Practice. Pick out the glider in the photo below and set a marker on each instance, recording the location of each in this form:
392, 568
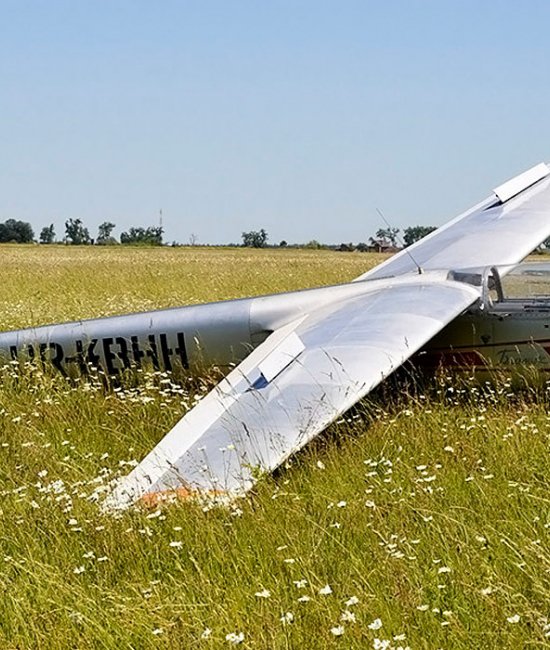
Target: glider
303, 358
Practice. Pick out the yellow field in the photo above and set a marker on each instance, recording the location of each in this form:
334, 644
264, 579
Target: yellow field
418, 521
42, 284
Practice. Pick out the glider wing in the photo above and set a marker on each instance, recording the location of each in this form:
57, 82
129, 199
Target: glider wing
501, 230
292, 386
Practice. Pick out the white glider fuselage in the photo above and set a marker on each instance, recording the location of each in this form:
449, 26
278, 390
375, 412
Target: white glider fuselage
503, 335
193, 338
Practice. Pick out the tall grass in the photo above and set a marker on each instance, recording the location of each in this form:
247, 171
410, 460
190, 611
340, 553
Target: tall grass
417, 521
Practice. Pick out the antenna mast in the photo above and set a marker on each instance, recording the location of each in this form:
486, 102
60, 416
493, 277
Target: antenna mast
405, 248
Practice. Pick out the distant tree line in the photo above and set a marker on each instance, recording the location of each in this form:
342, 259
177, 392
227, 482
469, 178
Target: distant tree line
385, 239
76, 233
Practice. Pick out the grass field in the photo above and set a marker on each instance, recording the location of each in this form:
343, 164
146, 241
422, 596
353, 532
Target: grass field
418, 521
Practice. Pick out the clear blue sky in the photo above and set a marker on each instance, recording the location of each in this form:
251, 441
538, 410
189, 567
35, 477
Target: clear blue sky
301, 117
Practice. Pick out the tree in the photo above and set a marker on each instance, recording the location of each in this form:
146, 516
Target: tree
76, 233
151, 236
19, 232
346, 248
193, 239
389, 234
104, 234
255, 239
414, 233
283, 243
47, 234
313, 245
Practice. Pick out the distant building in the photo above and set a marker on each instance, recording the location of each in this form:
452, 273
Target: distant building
381, 246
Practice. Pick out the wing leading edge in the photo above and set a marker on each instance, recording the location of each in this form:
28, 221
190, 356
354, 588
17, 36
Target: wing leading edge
302, 378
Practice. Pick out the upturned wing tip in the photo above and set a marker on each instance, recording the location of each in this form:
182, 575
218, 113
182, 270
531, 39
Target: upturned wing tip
118, 502
180, 494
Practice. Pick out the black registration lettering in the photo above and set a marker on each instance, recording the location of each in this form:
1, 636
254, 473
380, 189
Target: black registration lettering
152, 351
181, 350
79, 357
137, 352
110, 356
123, 351
57, 356
166, 352
91, 356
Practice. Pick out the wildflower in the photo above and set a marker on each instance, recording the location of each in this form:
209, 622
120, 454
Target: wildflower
320, 464
341, 504
337, 631
444, 569
206, 633
158, 631
79, 569
422, 608
370, 504
103, 558
487, 591
375, 625
351, 601
325, 591
289, 560
381, 644
513, 619
287, 617
347, 616
234, 638
76, 616
265, 593
304, 599
154, 515
175, 544
300, 584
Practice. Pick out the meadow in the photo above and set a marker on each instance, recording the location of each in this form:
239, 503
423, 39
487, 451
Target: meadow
420, 520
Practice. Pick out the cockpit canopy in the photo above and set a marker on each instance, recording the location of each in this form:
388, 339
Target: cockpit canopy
519, 286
